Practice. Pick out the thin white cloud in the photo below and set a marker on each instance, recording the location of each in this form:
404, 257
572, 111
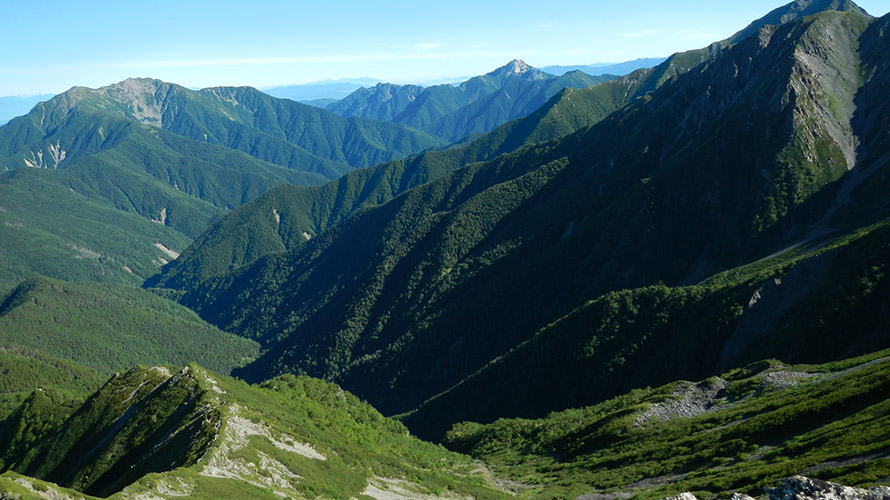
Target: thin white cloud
426, 47
269, 61
640, 34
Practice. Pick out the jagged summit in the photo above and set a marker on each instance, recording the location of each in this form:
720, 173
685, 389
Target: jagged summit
796, 10
518, 67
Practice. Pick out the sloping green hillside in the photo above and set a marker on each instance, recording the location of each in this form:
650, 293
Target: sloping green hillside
290, 215
809, 304
47, 228
25, 370
194, 433
738, 432
404, 300
168, 155
110, 327
280, 221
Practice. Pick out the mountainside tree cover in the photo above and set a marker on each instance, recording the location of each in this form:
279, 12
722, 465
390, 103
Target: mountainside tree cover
737, 433
108, 327
725, 207
289, 215
278, 222
449, 275
165, 154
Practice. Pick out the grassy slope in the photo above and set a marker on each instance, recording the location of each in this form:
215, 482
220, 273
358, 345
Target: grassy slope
46, 228
24, 370
109, 327
205, 152
763, 422
212, 427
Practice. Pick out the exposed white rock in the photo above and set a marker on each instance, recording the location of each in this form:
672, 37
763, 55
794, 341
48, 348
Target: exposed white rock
50, 493
682, 496
741, 496
804, 488
396, 489
85, 253
269, 473
170, 253
690, 400
162, 217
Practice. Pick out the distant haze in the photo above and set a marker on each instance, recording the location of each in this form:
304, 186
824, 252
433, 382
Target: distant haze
276, 43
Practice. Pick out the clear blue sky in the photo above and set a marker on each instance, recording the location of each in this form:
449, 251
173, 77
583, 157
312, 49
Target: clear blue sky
52, 45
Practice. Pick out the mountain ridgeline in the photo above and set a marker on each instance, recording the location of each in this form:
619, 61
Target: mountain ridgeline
150, 150
676, 280
287, 216
476, 106
405, 300
193, 433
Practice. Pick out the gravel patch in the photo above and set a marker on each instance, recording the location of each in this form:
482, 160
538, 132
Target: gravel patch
690, 401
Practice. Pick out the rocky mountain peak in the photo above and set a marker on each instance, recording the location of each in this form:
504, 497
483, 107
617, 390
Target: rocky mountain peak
518, 68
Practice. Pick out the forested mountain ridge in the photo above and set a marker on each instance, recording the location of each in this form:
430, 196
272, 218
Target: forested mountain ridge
277, 131
291, 214
153, 150
647, 195
677, 280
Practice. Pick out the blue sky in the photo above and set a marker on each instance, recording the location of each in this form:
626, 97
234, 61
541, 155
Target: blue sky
52, 45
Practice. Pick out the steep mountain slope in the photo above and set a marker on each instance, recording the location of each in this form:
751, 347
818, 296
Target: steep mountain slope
723, 165
165, 153
109, 327
252, 232
290, 215
477, 105
278, 131
194, 433
25, 369
791, 305
151, 433
48, 228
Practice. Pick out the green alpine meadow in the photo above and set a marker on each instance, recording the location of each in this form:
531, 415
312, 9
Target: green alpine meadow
667, 284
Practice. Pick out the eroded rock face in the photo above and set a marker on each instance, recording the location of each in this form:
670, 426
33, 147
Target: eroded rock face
803, 488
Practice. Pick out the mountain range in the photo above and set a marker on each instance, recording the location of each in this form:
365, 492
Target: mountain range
464, 269
477, 105
144, 151
598, 69
324, 93
670, 281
